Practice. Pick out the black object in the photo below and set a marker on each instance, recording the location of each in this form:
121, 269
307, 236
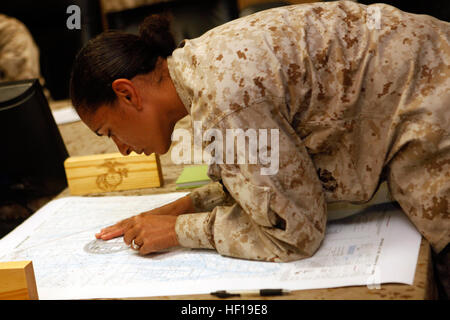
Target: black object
190, 18
262, 6
47, 22
261, 292
437, 8
33, 152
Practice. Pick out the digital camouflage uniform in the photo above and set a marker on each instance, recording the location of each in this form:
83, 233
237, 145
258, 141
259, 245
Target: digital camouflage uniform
19, 55
354, 105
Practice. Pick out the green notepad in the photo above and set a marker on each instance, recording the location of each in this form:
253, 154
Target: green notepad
193, 177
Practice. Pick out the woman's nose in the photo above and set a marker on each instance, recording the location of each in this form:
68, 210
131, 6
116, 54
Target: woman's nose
123, 148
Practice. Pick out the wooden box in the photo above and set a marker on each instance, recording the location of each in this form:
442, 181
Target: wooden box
17, 281
112, 172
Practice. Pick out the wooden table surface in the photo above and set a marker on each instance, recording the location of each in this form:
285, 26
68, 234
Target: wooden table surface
80, 140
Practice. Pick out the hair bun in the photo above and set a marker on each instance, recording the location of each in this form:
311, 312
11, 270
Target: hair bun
155, 32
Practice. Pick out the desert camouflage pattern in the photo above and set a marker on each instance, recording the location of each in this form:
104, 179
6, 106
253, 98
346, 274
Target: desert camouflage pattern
19, 55
209, 196
355, 105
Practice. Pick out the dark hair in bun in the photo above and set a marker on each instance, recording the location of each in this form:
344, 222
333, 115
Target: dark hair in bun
155, 32
115, 54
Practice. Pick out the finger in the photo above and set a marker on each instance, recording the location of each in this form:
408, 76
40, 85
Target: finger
116, 230
129, 235
138, 241
153, 245
113, 234
109, 229
106, 231
99, 234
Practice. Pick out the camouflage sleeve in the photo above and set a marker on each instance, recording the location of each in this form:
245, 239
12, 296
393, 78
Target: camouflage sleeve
419, 166
279, 216
19, 55
209, 196
190, 228
419, 179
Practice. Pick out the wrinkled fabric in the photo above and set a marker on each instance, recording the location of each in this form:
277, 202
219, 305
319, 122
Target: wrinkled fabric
207, 197
19, 55
355, 104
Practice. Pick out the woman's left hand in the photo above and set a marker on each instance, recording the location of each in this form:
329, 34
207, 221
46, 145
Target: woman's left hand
151, 233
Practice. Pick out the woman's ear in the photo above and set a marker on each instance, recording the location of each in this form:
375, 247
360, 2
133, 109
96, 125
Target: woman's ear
126, 93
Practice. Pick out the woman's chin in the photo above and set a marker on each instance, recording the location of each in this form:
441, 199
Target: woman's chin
165, 148
163, 151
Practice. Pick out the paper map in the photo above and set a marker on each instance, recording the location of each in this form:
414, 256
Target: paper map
376, 246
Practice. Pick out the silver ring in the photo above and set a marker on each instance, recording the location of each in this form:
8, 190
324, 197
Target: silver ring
134, 245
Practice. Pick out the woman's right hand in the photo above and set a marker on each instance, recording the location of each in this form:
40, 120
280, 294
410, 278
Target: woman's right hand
175, 208
114, 231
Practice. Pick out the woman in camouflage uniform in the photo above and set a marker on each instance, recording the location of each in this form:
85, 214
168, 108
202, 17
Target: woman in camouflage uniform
19, 55
359, 94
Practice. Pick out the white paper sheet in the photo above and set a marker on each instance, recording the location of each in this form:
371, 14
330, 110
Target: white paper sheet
376, 246
65, 115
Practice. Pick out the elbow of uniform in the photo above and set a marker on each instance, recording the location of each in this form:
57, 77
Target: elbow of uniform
305, 246
313, 245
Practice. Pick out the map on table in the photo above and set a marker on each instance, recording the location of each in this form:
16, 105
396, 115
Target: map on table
376, 246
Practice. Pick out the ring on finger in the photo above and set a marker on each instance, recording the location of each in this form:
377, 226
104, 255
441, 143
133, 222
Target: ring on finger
134, 245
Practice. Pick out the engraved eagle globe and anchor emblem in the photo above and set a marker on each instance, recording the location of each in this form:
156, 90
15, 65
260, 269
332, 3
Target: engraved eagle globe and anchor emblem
110, 180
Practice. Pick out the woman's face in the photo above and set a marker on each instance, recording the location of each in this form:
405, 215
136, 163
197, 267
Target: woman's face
130, 129
143, 116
